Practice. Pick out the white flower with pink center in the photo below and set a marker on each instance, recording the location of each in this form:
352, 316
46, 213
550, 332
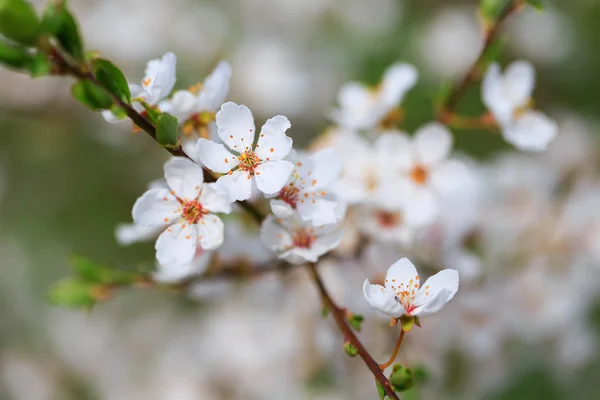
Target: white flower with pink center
403, 294
421, 172
306, 190
186, 209
245, 155
159, 80
296, 241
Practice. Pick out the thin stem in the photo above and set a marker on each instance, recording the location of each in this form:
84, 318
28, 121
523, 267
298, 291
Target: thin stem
473, 74
339, 315
395, 354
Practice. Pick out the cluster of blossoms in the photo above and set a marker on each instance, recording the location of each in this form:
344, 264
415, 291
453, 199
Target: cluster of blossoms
394, 195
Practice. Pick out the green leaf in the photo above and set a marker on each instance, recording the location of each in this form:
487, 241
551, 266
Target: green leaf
112, 79
537, 4
92, 272
350, 349
19, 21
14, 56
356, 321
91, 95
380, 390
40, 65
58, 21
73, 292
166, 130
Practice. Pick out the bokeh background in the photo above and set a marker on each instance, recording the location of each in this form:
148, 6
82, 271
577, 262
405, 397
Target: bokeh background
67, 179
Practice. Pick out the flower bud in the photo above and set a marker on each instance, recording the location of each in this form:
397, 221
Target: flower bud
18, 21
402, 378
350, 349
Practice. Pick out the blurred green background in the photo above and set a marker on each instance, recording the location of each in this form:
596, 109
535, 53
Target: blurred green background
67, 178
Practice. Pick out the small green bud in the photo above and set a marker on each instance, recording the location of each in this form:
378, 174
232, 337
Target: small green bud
18, 21
402, 378
356, 321
166, 130
380, 390
407, 322
350, 349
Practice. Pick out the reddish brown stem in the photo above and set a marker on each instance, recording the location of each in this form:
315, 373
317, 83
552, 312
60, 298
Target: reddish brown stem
395, 353
339, 315
473, 74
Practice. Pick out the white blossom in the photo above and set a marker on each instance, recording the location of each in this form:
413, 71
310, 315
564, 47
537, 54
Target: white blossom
508, 96
195, 108
296, 241
421, 171
402, 294
361, 107
159, 80
178, 272
186, 211
305, 190
242, 158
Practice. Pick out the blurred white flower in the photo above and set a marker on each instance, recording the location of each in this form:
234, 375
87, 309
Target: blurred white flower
296, 241
305, 191
195, 108
186, 211
508, 96
361, 107
159, 80
401, 294
177, 272
421, 172
241, 158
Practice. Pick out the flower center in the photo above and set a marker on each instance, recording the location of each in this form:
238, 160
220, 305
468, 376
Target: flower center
248, 161
198, 123
290, 194
419, 174
388, 219
193, 211
303, 239
405, 293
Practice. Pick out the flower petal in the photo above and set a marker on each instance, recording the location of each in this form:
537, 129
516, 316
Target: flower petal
394, 150
182, 105
155, 207
321, 210
238, 184
273, 144
449, 177
272, 175
274, 236
235, 126
533, 131
432, 143
210, 232
177, 244
420, 206
215, 156
281, 209
383, 300
435, 292
519, 80
401, 272
184, 177
160, 77
215, 87
326, 242
127, 234
326, 167
397, 80
175, 273
215, 198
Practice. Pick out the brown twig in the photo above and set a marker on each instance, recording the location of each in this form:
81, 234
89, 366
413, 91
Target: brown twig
446, 110
339, 315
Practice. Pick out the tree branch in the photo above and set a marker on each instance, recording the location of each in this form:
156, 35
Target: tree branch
82, 72
447, 109
339, 315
